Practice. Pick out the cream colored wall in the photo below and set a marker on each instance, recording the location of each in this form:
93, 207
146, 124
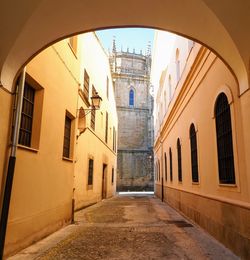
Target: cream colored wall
44, 181
194, 102
43, 184
91, 144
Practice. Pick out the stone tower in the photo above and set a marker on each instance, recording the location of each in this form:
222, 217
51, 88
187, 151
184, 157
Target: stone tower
131, 75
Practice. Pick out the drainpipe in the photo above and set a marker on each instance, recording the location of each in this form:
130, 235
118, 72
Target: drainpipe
11, 164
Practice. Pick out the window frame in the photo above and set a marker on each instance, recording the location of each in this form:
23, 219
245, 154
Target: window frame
90, 176
26, 125
179, 160
170, 164
68, 120
165, 163
224, 177
194, 154
131, 90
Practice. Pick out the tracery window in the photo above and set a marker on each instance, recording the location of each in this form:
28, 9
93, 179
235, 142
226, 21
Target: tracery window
131, 97
224, 140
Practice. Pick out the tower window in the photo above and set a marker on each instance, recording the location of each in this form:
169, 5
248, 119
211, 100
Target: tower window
224, 140
131, 97
194, 159
179, 160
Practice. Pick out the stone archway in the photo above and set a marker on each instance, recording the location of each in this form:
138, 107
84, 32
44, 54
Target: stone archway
30, 26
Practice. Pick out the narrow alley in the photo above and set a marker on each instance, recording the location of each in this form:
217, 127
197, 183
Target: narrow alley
128, 227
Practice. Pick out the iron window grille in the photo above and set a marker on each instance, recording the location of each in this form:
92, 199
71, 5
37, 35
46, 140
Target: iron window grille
179, 160
194, 157
90, 173
86, 85
67, 133
25, 132
224, 140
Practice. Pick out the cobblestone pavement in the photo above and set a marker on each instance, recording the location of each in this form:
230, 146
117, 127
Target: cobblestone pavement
128, 227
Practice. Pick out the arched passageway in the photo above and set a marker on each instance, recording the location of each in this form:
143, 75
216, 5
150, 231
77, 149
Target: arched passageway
29, 26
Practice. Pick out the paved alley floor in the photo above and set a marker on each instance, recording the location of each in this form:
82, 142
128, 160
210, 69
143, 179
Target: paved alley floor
128, 227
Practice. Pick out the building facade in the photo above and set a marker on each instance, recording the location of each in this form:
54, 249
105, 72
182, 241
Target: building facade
201, 142
131, 75
58, 168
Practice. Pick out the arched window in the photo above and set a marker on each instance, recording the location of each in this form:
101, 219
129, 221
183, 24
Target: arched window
177, 61
224, 140
159, 171
194, 158
179, 160
165, 160
131, 97
170, 165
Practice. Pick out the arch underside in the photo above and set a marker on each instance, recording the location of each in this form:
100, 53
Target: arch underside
30, 26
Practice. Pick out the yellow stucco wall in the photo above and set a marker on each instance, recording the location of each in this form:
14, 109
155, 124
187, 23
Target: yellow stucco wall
91, 144
45, 181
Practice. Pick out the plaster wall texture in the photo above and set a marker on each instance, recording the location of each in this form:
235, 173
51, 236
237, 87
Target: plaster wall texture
203, 78
46, 185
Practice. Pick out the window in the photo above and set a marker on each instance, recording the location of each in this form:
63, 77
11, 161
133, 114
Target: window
159, 170
107, 87
112, 177
177, 61
114, 139
170, 165
27, 116
179, 160
67, 133
73, 44
92, 122
90, 173
193, 148
106, 127
86, 85
165, 160
131, 97
224, 140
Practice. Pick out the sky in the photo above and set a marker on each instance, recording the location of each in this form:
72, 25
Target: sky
132, 38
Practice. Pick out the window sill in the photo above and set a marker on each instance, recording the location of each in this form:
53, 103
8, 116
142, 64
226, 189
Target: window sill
90, 187
227, 185
195, 183
28, 148
67, 159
